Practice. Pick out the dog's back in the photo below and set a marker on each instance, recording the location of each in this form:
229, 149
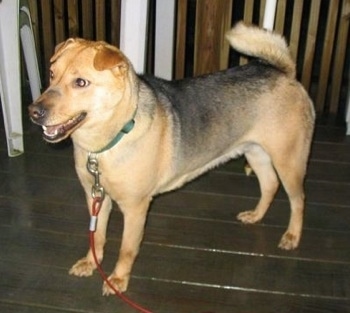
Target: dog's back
203, 108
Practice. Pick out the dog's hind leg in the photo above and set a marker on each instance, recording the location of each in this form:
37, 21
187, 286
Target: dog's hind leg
135, 214
261, 164
291, 172
86, 265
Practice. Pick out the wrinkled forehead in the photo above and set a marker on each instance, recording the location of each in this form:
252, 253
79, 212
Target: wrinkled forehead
81, 55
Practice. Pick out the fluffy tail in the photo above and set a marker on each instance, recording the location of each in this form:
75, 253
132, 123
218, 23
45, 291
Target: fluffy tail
262, 44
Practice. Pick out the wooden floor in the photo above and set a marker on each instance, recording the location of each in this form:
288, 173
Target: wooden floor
195, 257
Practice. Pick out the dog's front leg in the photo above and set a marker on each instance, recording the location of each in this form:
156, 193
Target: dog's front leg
86, 265
134, 222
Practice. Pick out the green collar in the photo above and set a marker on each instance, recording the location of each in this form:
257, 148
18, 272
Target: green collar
126, 129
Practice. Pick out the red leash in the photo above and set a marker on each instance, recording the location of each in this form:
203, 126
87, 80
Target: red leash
98, 193
96, 206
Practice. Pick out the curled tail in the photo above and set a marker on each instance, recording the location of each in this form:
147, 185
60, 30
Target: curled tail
262, 44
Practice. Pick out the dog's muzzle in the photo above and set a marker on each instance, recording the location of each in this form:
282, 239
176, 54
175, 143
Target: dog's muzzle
55, 132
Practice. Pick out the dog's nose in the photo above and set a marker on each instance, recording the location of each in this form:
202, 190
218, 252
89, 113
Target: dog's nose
36, 111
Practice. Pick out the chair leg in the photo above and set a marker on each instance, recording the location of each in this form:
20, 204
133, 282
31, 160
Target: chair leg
10, 82
29, 51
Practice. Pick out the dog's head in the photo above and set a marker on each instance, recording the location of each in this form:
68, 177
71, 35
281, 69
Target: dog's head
87, 80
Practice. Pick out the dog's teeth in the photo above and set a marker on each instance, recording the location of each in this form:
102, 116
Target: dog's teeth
50, 132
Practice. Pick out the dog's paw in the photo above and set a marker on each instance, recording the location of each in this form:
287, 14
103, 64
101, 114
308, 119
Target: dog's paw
84, 267
289, 241
248, 217
119, 284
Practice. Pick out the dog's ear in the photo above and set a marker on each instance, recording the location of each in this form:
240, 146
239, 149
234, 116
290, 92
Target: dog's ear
108, 57
62, 46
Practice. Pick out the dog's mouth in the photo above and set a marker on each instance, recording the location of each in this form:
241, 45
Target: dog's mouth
54, 133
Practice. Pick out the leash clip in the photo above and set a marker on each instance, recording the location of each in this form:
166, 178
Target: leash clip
97, 191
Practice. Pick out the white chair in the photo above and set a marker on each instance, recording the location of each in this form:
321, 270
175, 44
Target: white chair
15, 23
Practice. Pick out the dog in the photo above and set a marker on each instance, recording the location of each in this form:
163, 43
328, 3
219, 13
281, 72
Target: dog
177, 130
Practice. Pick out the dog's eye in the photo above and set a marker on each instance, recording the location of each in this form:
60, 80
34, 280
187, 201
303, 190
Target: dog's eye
79, 82
51, 74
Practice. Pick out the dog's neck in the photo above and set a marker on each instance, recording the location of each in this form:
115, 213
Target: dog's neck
98, 138
125, 130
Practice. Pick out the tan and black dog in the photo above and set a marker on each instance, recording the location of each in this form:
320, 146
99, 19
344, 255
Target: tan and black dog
180, 130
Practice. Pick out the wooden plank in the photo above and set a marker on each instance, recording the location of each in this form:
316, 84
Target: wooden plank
47, 36
316, 192
59, 10
100, 19
183, 205
181, 23
247, 18
187, 205
336, 152
248, 11
323, 170
223, 269
161, 296
327, 172
171, 212
214, 182
56, 294
310, 43
262, 12
115, 25
76, 196
330, 134
213, 19
295, 31
73, 18
280, 16
339, 56
327, 50
33, 8
219, 183
87, 19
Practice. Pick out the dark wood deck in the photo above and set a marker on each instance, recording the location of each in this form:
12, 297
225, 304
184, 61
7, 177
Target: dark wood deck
195, 257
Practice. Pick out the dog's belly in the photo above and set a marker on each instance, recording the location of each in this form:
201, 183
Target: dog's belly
191, 169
